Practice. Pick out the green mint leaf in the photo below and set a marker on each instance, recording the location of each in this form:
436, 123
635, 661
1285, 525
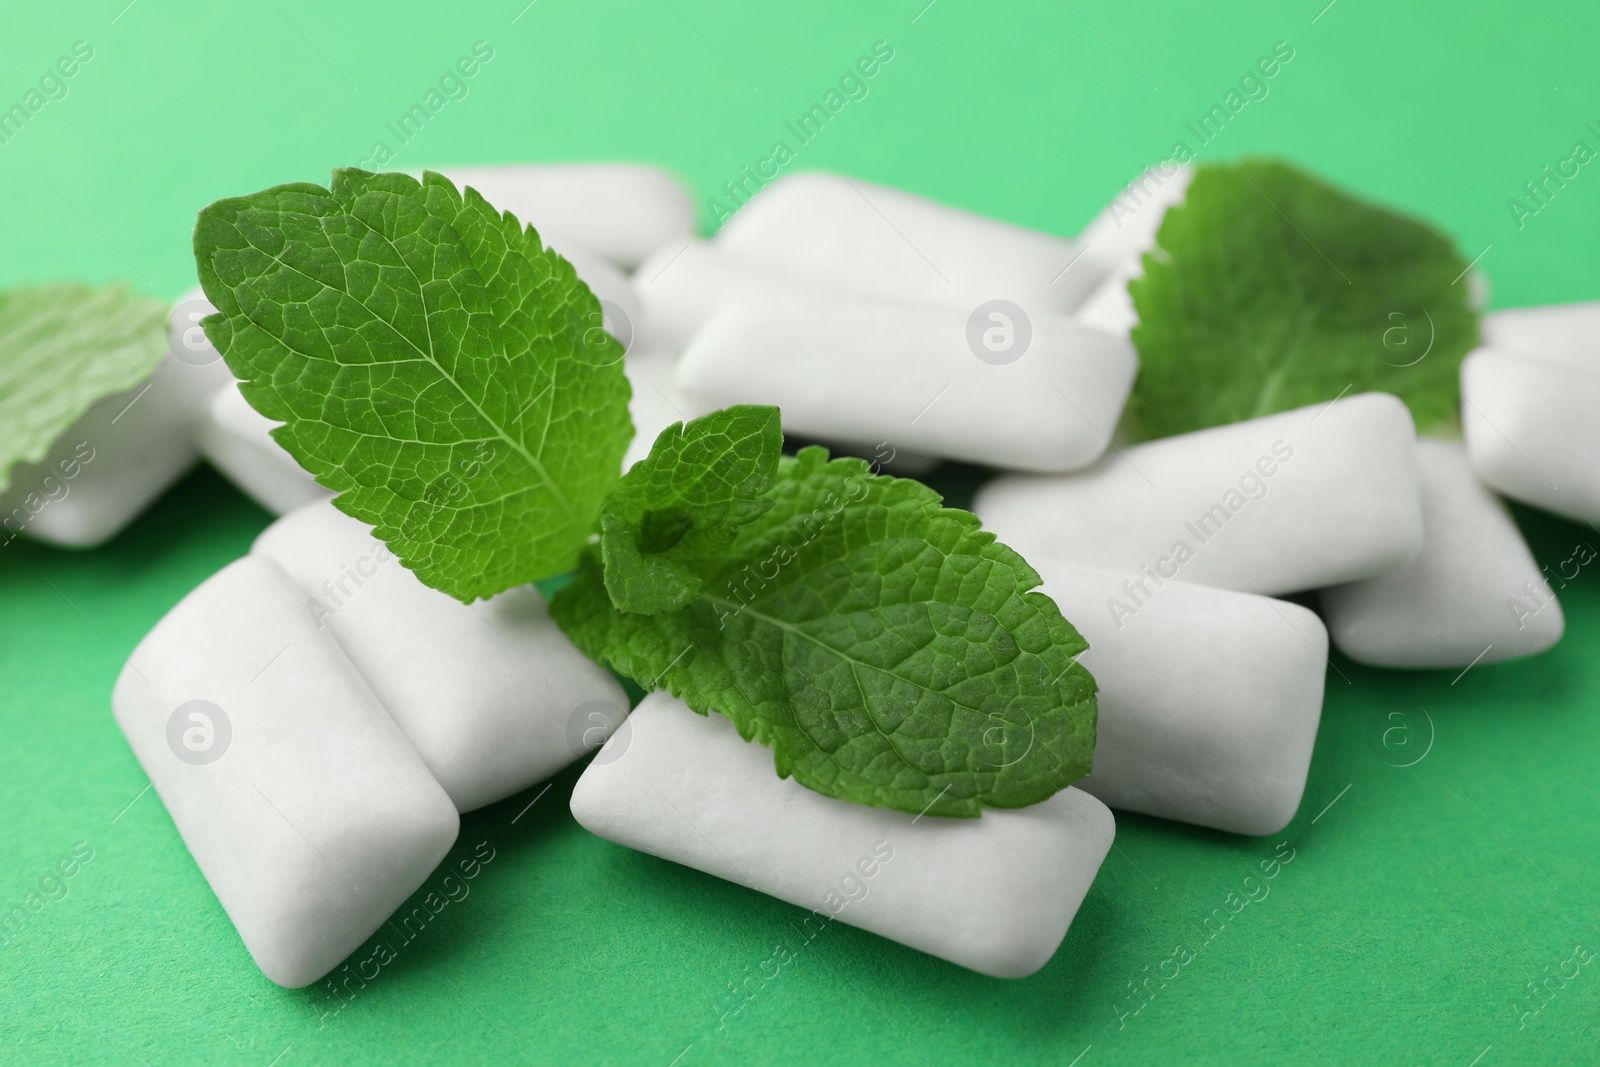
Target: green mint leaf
62, 347
1270, 290
681, 506
433, 364
888, 650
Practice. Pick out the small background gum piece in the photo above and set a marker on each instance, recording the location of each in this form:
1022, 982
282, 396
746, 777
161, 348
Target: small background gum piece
1452, 605
492, 694
1209, 699
305, 807
138, 442
1531, 431
1116, 240
681, 284
1293, 501
1110, 307
621, 211
1125, 229
237, 440
655, 402
625, 318
994, 894
872, 240
1561, 333
908, 374
1477, 289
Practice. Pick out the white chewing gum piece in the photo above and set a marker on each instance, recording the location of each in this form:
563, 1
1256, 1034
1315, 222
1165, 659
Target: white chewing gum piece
492, 694
1298, 500
1208, 699
1568, 334
994, 894
125, 450
910, 375
303, 804
621, 314
874, 241
1126, 228
1531, 430
1473, 595
655, 402
621, 211
237, 440
1110, 307
681, 284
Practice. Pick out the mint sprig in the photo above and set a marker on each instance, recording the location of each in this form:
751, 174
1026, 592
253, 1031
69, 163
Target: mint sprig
432, 364
446, 376
888, 650
62, 347
1270, 290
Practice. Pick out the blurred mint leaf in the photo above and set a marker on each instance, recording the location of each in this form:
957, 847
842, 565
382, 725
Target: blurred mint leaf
888, 650
64, 346
1270, 290
681, 506
433, 364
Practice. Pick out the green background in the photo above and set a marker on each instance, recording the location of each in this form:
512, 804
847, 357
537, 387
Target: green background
1418, 908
